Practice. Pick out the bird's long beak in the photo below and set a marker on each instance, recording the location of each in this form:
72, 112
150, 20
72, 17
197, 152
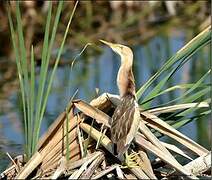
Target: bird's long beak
108, 43
113, 46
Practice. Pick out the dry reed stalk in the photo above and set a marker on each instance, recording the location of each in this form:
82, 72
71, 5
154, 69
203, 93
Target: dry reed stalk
80, 141
55, 165
75, 157
102, 102
55, 127
49, 171
57, 142
77, 173
57, 149
94, 165
152, 138
8, 172
144, 162
161, 126
119, 172
78, 163
150, 147
58, 136
92, 112
106, 142
106, 171
198, 165
49, 140
30, 166
140, 174
61, 169
106, 100
54, 161
17, 168
176, 150
167, 109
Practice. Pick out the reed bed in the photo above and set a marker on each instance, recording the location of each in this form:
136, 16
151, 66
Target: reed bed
77, 145
50, 159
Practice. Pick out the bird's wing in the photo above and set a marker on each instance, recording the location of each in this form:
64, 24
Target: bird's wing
134, 126
122, 125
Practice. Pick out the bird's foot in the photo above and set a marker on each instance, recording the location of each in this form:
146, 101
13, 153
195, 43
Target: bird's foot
130, 160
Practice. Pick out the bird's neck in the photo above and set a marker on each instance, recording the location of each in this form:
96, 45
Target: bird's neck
125, 78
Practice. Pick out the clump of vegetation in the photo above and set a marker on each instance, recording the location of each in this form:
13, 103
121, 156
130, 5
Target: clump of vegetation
78, 145
34, 102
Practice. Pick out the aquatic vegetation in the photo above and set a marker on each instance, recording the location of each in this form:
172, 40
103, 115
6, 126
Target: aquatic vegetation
78, 145
34, 100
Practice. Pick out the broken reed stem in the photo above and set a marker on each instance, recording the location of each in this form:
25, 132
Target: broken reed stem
57, 149
106, 171
78, 163
94, 165
78, 172
74, 151
14, 163
198, 165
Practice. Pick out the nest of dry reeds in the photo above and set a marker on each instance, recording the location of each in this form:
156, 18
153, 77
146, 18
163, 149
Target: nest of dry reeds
89, 153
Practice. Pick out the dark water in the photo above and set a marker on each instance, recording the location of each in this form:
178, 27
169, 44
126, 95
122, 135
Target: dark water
100, 72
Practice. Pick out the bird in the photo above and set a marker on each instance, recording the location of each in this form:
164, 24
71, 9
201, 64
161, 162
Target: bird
126, 117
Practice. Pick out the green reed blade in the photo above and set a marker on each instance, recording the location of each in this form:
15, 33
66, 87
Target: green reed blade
196, 95
42, 78
190, 48
188, 99
183, 122
56, 62
173, 88
161, 84
17, 58
195, 86
44, 95
32, 99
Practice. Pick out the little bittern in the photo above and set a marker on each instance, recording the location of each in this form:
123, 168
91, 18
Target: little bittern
126, 117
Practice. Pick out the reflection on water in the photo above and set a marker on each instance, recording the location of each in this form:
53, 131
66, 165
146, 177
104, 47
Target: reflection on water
100, 72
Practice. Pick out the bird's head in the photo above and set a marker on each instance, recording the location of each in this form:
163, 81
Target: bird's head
119, 49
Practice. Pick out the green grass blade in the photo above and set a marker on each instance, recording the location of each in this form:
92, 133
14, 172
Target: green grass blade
161, 84
191, 98
196, 95
58, 58
44, 74
32, 100
22, 47
55, 65
24, 67
17, 58
42, 78
195, 86
183, 122
190, 48
173, 88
